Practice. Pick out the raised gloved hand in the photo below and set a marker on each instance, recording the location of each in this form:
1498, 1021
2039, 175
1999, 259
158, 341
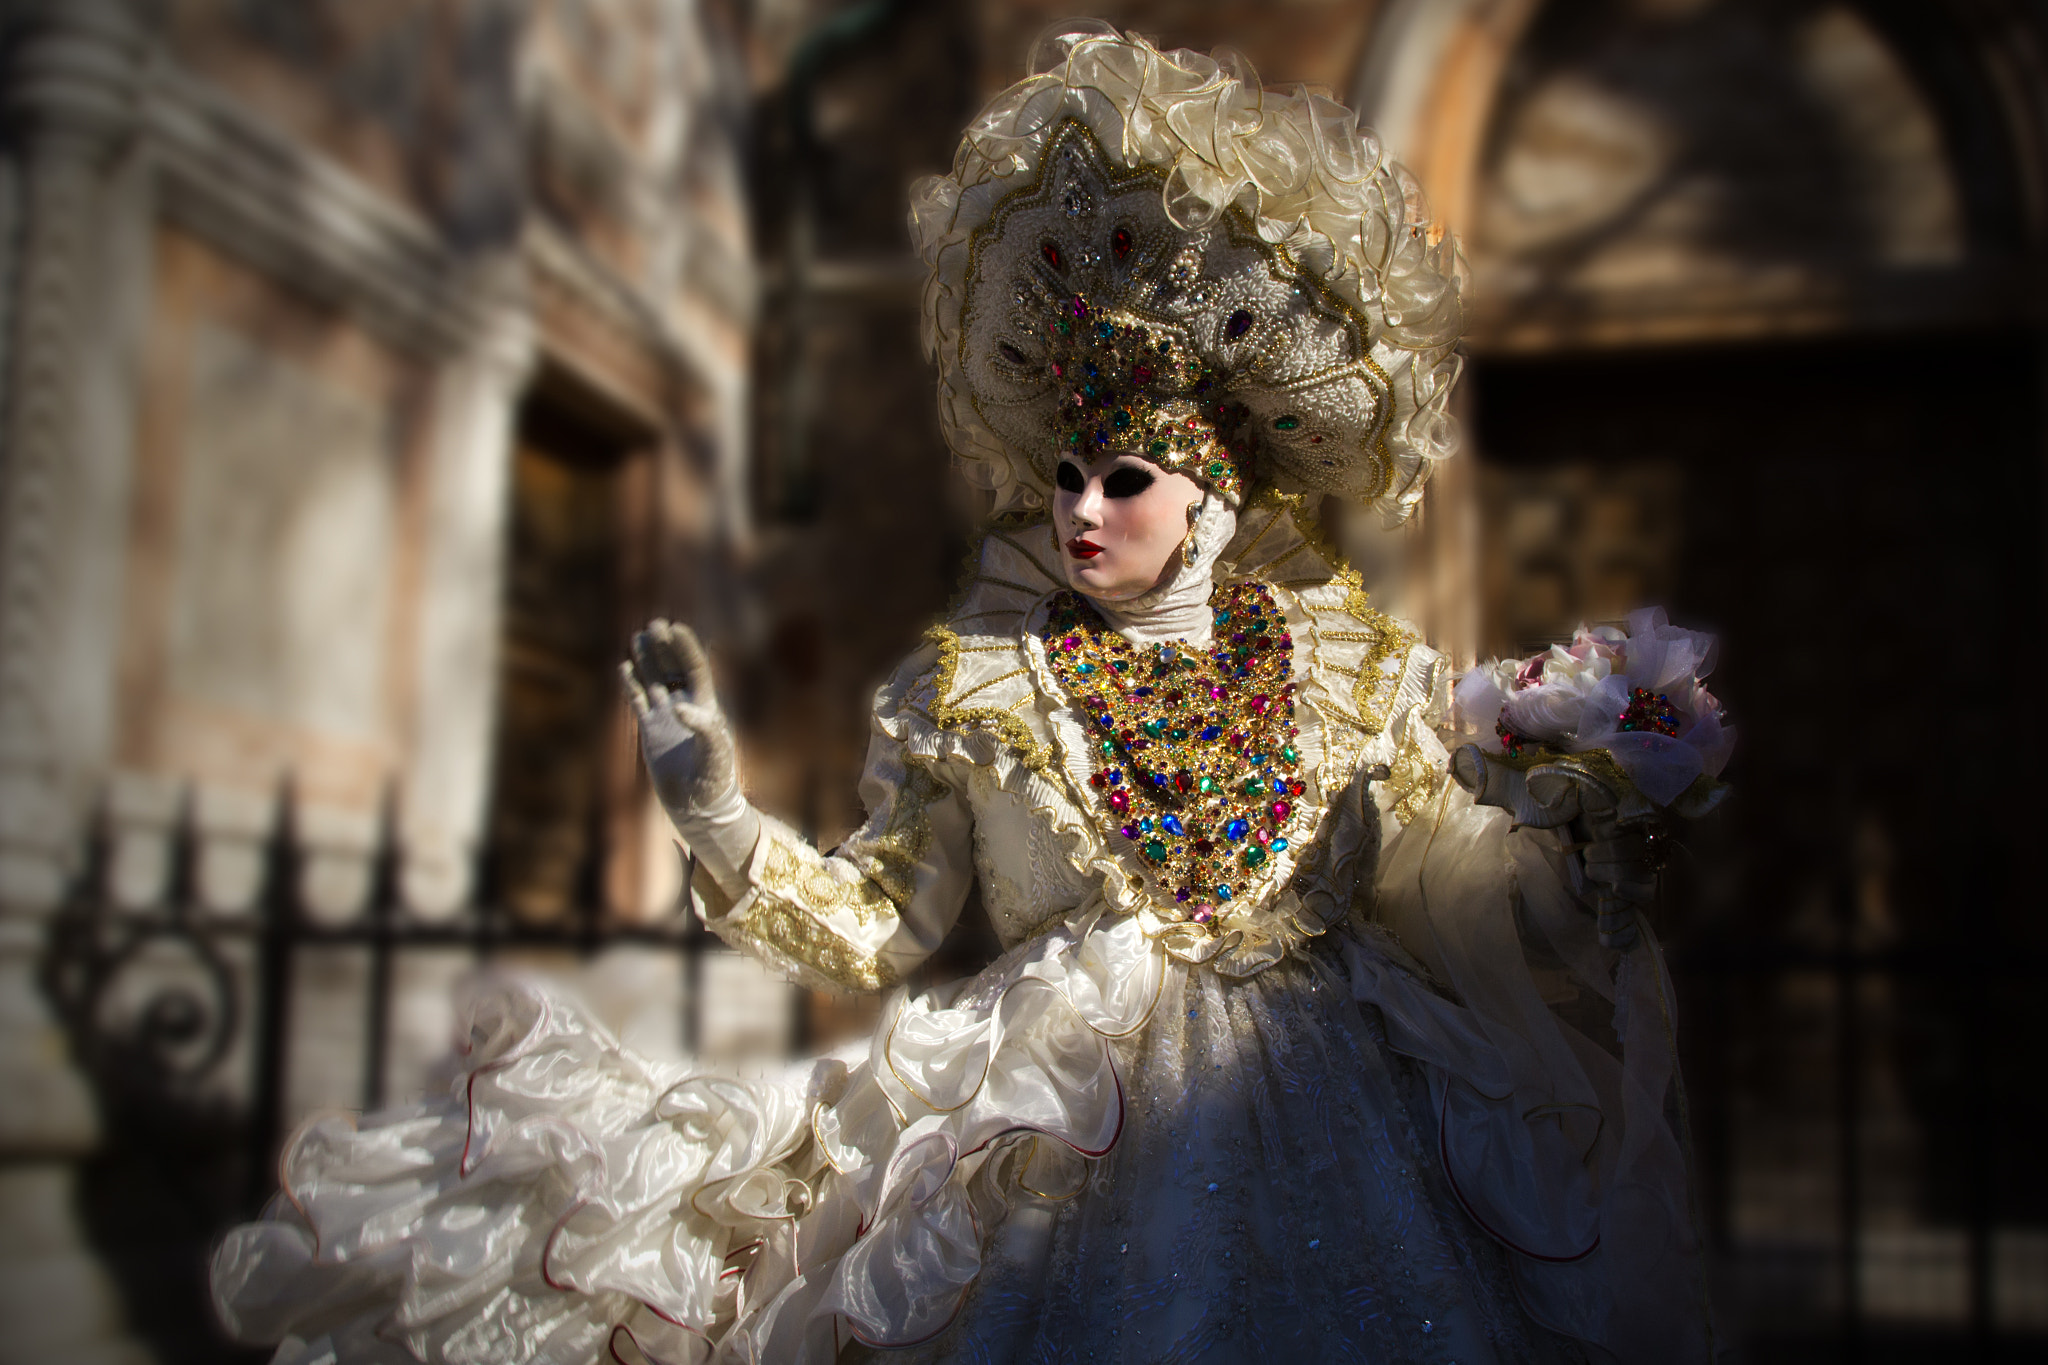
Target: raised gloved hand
1616, 830
689, 749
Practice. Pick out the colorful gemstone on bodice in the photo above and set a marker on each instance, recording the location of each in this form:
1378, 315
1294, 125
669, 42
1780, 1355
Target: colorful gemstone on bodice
1193, 746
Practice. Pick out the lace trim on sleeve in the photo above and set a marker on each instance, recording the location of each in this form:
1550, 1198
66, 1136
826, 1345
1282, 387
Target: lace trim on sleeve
833, 922
891, 857
815, 919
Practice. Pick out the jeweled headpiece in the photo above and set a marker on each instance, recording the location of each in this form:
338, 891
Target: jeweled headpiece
1123, 198
1137, 385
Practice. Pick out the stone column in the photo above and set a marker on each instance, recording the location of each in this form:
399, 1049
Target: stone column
69, 91
442, 798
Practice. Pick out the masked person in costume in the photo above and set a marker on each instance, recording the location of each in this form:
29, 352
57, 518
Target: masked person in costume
1295, 1046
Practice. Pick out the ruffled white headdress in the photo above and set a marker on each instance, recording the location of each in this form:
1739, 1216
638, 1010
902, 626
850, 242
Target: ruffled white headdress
1123, 207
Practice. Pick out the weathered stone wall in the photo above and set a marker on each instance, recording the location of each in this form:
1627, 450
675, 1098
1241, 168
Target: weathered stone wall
284, 285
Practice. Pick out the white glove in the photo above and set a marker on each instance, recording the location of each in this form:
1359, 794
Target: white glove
689, 750
1619, 835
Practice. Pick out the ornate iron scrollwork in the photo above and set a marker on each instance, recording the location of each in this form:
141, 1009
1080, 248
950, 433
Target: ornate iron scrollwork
149, 995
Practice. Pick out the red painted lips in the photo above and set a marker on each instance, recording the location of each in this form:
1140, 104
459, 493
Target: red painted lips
1083, 549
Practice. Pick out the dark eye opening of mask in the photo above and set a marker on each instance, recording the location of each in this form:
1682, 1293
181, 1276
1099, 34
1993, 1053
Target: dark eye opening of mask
1068, 477
1126, 481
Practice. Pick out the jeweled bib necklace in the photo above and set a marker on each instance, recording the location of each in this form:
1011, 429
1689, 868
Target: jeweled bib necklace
1194, 749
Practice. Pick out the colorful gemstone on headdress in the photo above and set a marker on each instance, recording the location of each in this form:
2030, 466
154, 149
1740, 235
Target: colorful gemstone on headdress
1164, 416
1240, 323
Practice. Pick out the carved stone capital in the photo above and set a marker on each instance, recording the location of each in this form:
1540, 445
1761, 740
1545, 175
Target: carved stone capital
73, 74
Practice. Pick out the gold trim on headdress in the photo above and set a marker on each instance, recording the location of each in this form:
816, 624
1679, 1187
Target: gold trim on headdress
1139, 387
1073, 301
1261, 225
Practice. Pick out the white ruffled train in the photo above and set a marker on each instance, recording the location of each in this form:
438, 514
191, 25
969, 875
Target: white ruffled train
1090, 1141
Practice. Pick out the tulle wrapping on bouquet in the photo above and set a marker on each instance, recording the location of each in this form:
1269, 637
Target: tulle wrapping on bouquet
1557, 1145
1573, 697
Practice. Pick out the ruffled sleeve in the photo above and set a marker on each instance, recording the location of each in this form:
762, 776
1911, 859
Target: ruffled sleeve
861, 917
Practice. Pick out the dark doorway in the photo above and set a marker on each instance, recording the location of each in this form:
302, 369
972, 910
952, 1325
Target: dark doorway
1861, 523
576, 523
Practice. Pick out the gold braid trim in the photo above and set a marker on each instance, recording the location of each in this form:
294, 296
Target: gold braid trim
1389, 640
794, 894
811, 883
818, 952
1601, 764
891, 858
949, 716
1412, 777
1385, 638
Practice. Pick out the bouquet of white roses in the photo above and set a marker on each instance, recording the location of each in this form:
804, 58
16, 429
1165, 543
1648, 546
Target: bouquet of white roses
1612, 733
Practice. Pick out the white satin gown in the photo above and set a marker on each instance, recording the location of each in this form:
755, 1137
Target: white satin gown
1406, 1110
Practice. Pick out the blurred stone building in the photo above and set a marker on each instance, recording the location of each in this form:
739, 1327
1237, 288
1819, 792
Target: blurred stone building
372, 366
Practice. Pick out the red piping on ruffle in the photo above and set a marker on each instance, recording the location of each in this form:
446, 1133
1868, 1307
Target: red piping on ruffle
512, 1054
611, 1343
1443, 1152
464, 1169
951, 1317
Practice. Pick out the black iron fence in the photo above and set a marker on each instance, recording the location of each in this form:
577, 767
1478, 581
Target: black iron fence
183, 1018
